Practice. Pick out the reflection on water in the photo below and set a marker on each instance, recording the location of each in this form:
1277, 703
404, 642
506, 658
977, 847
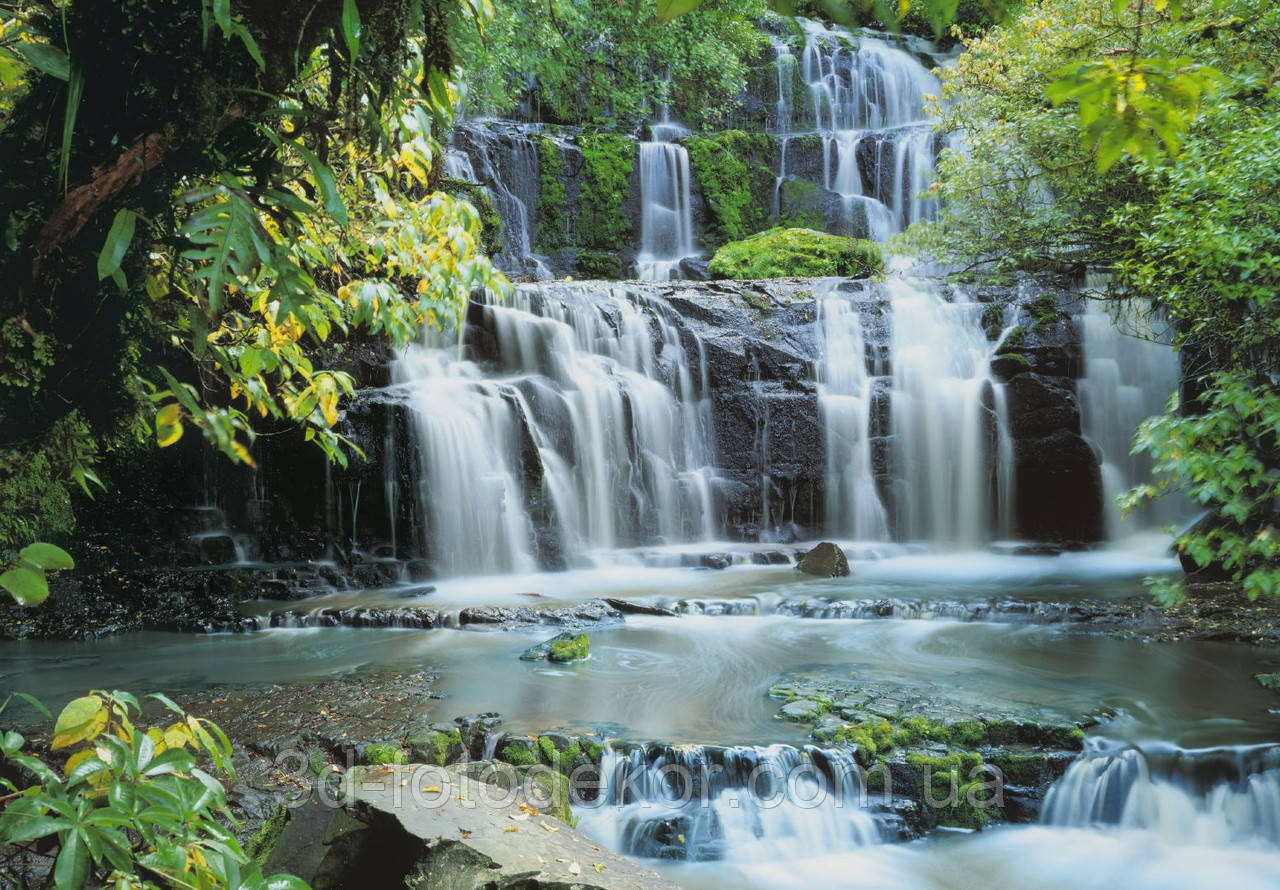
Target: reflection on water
703, 679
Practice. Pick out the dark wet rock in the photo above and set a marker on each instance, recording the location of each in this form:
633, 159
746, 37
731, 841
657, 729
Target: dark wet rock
825, 561
802, 710
770, 558
592, 612
627, 607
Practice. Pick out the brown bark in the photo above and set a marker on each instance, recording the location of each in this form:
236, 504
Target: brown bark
107, 181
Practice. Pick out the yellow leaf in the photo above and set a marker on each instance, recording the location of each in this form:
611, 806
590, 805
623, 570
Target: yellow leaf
512, 828
169, 424
76, 759
327, 399
177, 736
82, 718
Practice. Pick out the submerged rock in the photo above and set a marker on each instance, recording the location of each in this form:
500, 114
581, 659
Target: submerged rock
826, 561
563, 648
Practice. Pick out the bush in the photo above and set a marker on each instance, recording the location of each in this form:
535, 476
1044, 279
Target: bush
130, 807
794, 253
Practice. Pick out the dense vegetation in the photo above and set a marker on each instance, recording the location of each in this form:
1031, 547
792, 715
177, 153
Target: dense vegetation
1141, 138
805, 253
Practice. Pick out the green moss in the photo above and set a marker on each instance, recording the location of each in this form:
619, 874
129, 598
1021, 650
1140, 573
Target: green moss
1011, 364
993, 321
1019, 769
1045, 309
558, 791
598, 265
490, 219
570, 650
733, 171
1002, 732
758, 302
264, 840
800, 204
785, 253
1069, 737
1014, 341
36, 506
553, 227
966, 734
517, 754
593, 750
436, 747
382, 753
957, 780
607, 162
558, 759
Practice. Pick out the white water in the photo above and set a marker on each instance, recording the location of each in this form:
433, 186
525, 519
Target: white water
853, 506
744, 804
1130, 372
867, 99
950, 445
666, 214
588, 426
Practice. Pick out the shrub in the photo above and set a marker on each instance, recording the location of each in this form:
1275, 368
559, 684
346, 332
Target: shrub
787, 253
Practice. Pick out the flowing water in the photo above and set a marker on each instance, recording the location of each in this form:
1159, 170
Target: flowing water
586, 429
866, 98
666, 205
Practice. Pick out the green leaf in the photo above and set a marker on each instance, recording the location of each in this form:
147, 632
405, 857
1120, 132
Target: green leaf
72, 868
28, 586
47, 557
75, 89
222, 15
36, 828
82, 718
672, 9
118, 240
351, 27
48, 59
327, 184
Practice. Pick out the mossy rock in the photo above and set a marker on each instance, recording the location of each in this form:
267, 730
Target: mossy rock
826, 560
607, 162
1008, 365
439, 748
553, 221
1019, 769
1268, 681
734, 171
1014, 341
517, 751
383, 753
563, 648
264, 840
797, 253
992, 321
599, 265
490, 219
1045, 310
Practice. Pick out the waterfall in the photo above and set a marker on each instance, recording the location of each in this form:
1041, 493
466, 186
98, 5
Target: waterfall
505, 162
867, 100
666, 214
582, 428
1130, 372
943, 416
744, 804
844, 393
1210, 796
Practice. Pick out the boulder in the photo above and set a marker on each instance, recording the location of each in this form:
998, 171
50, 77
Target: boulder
432, 827
826, 561
563, 648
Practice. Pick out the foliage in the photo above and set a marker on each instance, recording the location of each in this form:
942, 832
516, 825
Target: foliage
607, 162
600, 265
786, 253
131, 806
490, 219
734, 172
1226, 457
382, 753
35, 505
199, 196
27, 580
553, 220
611, 65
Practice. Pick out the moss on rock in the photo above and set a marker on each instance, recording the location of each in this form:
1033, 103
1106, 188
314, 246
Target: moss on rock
733, 171
382, 753
517, 753
553, 228
599, 265
607, 162
264, 840
567, 651
438, 748
490, 219
790, 253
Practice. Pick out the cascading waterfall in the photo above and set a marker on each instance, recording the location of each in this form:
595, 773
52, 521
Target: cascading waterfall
745, 804
845, 385
1210, 797
585, 431
666, 205
949, 442
868, 102
1130, 372
506, 165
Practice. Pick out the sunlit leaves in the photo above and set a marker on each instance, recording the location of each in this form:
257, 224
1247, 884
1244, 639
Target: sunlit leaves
47, 59
1131, 106
351, 26
671, 9
169, 424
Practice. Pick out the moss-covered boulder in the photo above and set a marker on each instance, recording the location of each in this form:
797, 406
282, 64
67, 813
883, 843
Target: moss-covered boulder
797, 253
563, 648
826, 561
